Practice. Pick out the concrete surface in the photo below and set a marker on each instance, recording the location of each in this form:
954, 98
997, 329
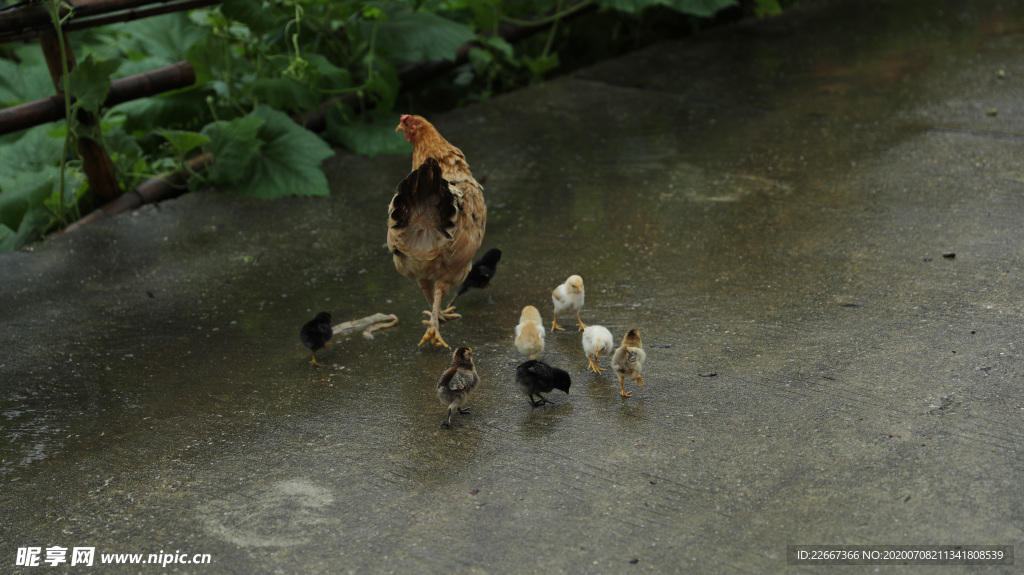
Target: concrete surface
770, 202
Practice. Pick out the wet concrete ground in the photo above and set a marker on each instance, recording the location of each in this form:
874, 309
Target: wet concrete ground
771, 203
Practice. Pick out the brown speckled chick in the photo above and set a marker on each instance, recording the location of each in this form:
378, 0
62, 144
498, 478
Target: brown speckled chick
628, 360
457, 382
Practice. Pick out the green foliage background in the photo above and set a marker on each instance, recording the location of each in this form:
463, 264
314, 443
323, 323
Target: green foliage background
256, 62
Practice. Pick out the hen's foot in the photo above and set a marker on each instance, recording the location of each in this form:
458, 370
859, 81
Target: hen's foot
434, 337
443, 315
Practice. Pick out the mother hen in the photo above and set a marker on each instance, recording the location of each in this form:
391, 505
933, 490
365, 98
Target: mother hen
436, 220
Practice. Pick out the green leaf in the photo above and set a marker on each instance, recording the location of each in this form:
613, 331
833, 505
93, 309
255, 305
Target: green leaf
184, 141
233, 144
328, 76
288, 163
541, 64
410, 36
165, 38
370, 136
251, 13
25, 80
32, 227
17, 200
764, 8
480, 59
701, 8
34, 151
90, 81
122, 147
185, 108
285, 93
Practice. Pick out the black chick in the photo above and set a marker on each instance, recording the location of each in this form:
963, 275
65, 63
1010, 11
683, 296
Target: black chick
481, 273
316, 333
457, 382
536, 377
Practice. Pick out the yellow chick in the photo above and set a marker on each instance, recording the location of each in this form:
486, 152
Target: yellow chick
530, 332
629, 360
568, 297
597, 338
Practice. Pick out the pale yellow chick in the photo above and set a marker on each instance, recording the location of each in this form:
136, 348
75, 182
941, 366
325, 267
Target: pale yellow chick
597, 338
628, 361
568, 297
530, 332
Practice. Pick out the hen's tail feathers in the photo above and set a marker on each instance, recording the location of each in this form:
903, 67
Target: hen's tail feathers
423, 207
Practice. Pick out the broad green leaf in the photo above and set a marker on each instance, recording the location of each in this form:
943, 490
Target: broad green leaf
252, 13
90, 81
35, 151
23, 82
410, 36
285, 94
480, 59
288, 163
183, 109
17, 200
541, 64
122, 147
233, 144
501, 46
184, 141
764, 8
165, 38
32, 227
702, 8
375, 135
329, 76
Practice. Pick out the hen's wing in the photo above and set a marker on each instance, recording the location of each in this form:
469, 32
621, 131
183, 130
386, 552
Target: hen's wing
423, 215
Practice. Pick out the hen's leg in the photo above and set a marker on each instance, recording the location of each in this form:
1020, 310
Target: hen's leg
433, 334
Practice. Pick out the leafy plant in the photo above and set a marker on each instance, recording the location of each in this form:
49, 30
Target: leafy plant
255, 62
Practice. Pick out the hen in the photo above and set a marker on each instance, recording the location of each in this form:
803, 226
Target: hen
436, 220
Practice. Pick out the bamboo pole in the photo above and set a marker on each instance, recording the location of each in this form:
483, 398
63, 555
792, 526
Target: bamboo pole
100, 20
50, 109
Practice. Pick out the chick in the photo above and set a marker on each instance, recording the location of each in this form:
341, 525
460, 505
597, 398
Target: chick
597, 338
629, 360
536, 377
480, 274
568, 297
316, 333
457, 382
530, 332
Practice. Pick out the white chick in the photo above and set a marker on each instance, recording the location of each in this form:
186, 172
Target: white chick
568, 297
629, 360
530, 332
597, 338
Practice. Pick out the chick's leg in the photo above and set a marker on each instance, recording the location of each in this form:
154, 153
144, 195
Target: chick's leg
622, 389
639, 381
582, 325
447, 422
554, 324
314, 362
597, 367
